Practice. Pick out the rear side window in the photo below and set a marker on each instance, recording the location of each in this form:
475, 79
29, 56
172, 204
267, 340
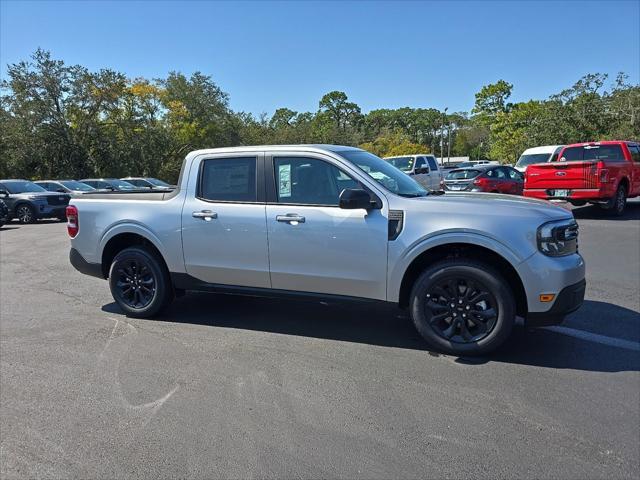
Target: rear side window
635, 152
228, 180
573, 154
432, 163
603, 152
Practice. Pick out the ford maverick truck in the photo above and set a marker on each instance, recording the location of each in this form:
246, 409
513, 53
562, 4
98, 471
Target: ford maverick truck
332, 222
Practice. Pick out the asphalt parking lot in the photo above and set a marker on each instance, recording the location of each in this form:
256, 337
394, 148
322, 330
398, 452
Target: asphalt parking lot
235, 387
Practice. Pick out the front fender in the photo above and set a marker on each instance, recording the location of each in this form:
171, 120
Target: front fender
400, 263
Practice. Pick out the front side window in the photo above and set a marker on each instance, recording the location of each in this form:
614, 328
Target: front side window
384, 174
228, 180
309, 181
513, 174
79, 186
420, 162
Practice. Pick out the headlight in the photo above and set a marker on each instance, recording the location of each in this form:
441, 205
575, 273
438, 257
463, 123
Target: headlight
558, 238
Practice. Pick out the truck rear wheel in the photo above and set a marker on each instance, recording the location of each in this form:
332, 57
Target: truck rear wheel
462, 307
139, 282
617, 204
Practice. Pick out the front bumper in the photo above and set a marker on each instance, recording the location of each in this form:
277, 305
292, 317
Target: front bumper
569, 300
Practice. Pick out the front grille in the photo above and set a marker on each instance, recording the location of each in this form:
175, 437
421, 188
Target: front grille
58, 199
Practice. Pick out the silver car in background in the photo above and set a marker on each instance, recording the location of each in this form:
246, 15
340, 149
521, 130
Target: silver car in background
423, 168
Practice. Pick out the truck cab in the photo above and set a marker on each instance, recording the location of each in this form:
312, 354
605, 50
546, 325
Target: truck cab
339, 224
423, 168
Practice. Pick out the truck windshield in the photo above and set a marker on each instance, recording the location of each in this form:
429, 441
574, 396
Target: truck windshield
403, 163
532, 158
78, 186
157, 183
385, 174
122, 185
19, 186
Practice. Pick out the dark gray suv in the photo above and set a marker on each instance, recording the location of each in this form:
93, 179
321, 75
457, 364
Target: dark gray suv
29, 202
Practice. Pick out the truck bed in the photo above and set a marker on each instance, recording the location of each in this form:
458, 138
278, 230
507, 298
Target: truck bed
135, 195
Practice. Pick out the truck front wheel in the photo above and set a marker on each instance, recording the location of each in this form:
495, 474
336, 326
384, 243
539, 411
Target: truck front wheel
139, 282
462, 307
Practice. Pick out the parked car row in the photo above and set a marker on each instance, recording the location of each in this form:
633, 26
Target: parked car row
29, 201
601, 173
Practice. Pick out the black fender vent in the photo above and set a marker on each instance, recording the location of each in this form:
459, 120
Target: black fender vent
396, 222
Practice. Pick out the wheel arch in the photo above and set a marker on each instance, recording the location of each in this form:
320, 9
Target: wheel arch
464, 250
625, 181
116, 241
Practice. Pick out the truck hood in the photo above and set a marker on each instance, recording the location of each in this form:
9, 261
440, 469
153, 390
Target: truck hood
494, 204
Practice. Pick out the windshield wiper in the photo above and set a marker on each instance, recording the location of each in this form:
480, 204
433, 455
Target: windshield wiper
413, 195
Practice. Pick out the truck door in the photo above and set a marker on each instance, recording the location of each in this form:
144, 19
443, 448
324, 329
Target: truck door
314, 245
224, 234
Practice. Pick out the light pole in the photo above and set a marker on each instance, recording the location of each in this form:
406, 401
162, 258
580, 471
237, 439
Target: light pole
444, 116
449, 142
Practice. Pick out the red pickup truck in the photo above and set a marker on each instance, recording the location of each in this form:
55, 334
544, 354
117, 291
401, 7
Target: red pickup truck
602, 173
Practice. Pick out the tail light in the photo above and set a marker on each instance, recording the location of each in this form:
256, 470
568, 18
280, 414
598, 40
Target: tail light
73, 224
603, 173
480, 182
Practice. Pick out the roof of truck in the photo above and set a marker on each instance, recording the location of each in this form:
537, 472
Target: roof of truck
259, 148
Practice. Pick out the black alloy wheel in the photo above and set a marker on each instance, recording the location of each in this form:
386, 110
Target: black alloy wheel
460, 309
135, 283
140, 282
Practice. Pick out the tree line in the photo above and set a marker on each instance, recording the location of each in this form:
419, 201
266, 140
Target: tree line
64, 121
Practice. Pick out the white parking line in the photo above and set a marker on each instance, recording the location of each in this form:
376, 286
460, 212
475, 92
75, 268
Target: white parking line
594, 337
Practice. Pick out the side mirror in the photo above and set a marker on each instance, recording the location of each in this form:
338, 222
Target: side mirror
352, 198
421, 170
61, 190
4, 193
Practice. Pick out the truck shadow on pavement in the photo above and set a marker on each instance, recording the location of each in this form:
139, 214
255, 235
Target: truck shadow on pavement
386, 326
593, 212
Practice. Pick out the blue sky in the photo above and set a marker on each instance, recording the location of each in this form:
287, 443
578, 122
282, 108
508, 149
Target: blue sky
382, 54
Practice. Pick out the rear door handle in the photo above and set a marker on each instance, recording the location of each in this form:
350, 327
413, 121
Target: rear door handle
290, 218
206, 215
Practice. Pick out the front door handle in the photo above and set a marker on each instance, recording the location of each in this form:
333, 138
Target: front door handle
206, 215
292, 218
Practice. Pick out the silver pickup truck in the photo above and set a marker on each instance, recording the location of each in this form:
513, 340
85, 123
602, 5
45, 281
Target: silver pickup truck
334, 222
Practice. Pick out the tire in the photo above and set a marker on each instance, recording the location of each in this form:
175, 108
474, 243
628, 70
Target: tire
619, 201
25, 213
616, 205
139, 282
483, 312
